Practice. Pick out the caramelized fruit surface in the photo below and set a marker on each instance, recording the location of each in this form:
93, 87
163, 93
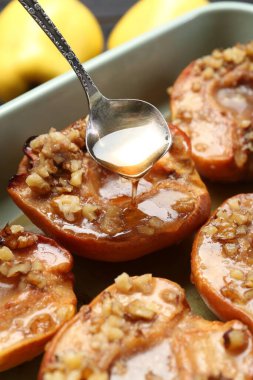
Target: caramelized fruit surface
212, 101
36, 295
89, 209
222, 259
142, 328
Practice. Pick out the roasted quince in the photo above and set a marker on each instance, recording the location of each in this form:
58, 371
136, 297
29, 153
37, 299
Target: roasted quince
212, 101
222, 259
36, 295
142, 328
89, 209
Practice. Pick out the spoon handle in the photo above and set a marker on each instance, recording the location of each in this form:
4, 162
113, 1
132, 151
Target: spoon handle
39, 15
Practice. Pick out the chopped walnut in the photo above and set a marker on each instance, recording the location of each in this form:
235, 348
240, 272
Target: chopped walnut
37, 143
23, 268
37, 265
155, 222
20, 240
169, 296
74, 165
37, 184
184, 205
89, 211
245, 124
240, 158
4, 269
65, 312
111, 222
234, 54
196, 86
235, 341
6, 254
111, 332
234, 204
144, 283
145, 230
232, 294
213, 62
26, 241
76, 178
56, 153
139, 310
208, 73
248, 295
15, 229
68, 206
73, 360
209, 230
230, 249
37, 279
217, 53
124, 283
237, 274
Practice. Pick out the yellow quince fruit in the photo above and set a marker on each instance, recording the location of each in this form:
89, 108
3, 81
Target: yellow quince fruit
29, 58
146, 15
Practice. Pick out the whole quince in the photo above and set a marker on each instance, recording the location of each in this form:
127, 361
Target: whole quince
29, 58
146, 15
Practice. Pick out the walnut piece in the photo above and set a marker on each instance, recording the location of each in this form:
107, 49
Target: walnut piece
68, 206
123, 283
6, 254
235, 341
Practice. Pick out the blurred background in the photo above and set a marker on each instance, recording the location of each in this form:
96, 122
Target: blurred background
90, 27
108, 12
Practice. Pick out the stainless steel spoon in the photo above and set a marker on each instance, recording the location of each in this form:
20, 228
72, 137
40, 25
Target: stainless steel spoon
126, 136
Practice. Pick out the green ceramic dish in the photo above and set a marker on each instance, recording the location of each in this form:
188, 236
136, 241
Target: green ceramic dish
143, 69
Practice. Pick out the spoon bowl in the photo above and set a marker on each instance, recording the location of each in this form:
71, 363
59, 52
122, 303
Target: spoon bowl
126, 136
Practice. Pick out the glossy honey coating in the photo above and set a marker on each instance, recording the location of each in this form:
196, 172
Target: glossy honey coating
222, 259
212, 101
142, 328
36, 295
89, 209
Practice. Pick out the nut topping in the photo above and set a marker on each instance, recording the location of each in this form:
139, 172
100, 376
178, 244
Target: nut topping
6, 254
138, 310
217, 91
124, 283
64, 191
69, 206
38, 297
154, 339
222, 260
235, 341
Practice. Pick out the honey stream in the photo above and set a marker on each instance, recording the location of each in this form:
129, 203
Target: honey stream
131, 152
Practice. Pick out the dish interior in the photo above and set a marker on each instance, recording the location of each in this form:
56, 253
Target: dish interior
143, 69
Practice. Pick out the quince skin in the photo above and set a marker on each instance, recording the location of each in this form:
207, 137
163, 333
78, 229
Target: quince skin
29, 58
146, 15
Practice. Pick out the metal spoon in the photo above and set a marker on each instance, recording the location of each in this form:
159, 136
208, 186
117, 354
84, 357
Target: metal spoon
131, 126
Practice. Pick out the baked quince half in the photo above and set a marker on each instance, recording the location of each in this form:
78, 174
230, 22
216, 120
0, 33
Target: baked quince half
29, 58
222, 259
212, 101
89, 210
36, 295
142, 328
